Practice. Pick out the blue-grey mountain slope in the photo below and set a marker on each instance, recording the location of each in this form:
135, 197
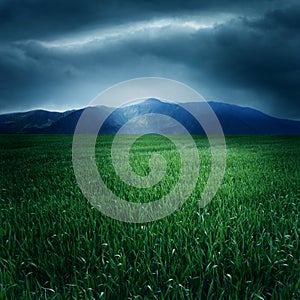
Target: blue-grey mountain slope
233, 119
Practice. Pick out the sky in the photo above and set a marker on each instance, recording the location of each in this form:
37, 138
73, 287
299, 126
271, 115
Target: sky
59, 55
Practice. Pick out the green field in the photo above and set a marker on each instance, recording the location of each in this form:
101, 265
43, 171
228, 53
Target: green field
243, 245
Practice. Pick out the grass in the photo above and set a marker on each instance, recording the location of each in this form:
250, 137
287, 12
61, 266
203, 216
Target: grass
243, 245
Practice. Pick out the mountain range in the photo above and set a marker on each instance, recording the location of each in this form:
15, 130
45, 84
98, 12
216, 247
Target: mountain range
233, 119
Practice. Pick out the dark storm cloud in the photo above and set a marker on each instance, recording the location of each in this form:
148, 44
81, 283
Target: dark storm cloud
251, 59
280, 18
41, 18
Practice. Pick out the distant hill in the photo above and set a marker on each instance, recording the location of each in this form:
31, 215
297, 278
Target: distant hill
29, 122
234, 119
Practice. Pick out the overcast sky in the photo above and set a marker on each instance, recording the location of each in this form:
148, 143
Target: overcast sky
59, 55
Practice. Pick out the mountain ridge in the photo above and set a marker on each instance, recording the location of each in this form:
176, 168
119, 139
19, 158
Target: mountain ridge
234, 119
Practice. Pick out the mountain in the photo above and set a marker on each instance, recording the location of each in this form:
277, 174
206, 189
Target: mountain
233, 119
244, 120
29, 122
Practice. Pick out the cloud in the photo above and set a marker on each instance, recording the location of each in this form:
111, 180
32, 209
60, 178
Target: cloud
242, 58
49, 18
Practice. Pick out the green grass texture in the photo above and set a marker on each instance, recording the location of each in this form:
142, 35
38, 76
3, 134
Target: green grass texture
243, 245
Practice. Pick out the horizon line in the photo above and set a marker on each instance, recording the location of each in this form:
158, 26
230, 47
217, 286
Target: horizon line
137, 102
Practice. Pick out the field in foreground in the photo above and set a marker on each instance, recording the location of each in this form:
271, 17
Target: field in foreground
243, 245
